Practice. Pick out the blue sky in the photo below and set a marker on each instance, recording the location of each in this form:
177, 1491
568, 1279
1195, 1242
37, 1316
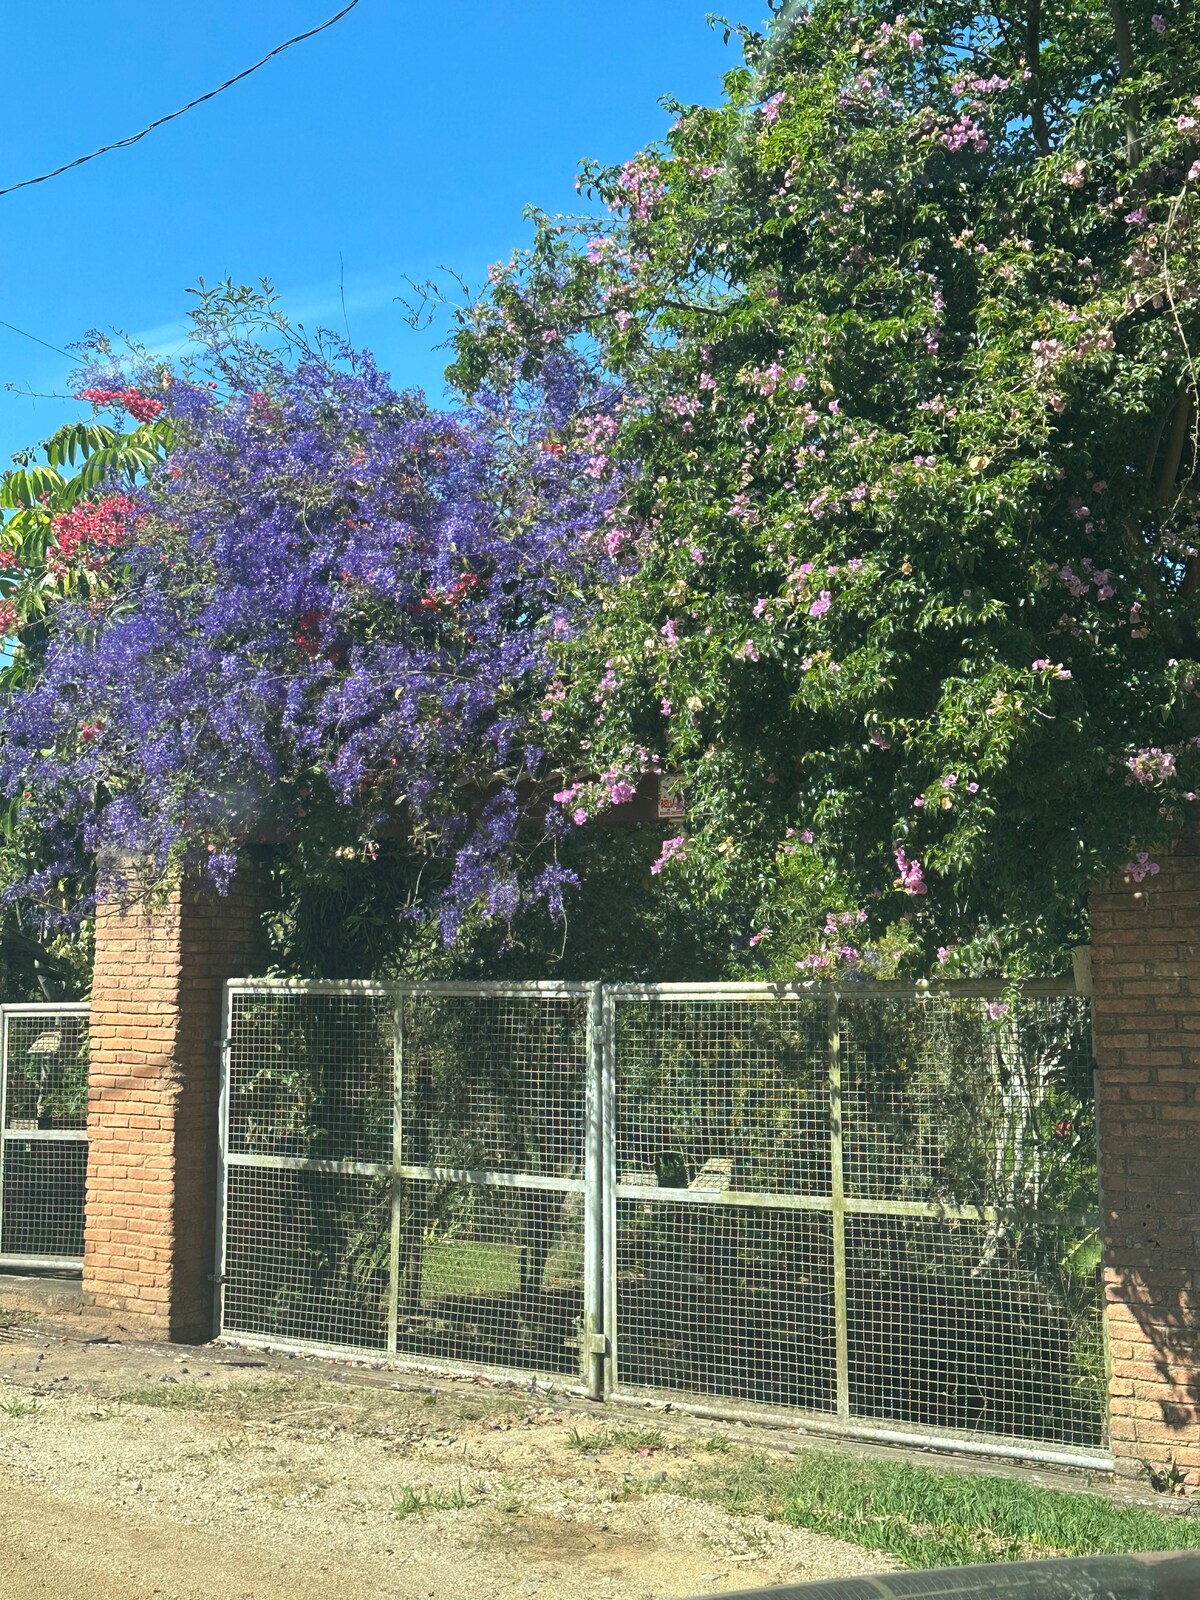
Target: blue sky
405, 139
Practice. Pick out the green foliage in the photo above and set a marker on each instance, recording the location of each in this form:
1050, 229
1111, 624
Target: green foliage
909, 328
39, 958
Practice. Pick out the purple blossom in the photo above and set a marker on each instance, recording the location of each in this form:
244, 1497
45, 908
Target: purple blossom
325, 604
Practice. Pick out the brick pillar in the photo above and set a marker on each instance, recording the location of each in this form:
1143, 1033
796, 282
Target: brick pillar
1146, 1013
149, 1239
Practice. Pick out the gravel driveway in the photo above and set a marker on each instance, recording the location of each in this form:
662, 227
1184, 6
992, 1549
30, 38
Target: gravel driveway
132, 1470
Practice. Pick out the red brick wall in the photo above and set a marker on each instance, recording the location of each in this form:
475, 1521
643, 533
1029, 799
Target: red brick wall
1146, 1011
149, 1239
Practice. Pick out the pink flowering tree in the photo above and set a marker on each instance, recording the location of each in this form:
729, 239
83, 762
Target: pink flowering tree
909, 577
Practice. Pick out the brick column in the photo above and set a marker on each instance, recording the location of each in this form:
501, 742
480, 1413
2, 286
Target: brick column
149, 1239
1146, 1013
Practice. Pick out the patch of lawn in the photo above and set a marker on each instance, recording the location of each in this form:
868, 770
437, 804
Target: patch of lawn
462, 1266
929, 1518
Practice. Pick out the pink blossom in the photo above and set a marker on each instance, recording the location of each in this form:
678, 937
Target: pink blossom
664, 705
1158, 23
914, 40
579, 817
757, 938
966, 131
912, 875
820, 606
1151, 766
1141, 215
670, 849
1143, 867
670, 633
943, 954
621, 793
997, 1009
972, 788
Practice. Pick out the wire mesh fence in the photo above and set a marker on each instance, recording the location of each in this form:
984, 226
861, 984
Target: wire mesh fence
879, 1206
874, 1207
405, 1171
43, 1134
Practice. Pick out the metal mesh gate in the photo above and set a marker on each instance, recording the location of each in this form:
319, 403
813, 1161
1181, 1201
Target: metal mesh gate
43, 1134
405, 1172
873, 1208
878, 1206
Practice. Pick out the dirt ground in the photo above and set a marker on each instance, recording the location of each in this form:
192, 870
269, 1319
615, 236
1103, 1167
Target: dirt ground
131, 1470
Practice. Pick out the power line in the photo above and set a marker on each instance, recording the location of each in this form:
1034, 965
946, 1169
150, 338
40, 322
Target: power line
12, 328
122, 144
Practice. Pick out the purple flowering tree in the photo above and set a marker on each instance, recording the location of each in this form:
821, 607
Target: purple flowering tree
330, 614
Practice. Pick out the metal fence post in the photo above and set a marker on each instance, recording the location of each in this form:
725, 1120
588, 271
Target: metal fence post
838, 1208
608, 1187
3, 1110
226, 1045
593, 1343
397, 1182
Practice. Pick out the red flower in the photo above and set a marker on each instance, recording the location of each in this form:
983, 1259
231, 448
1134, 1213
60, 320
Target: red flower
308, 632
142, 407
87, 529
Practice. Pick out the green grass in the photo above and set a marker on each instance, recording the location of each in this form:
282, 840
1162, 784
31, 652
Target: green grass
16, 1407
413, 1502
616, 1439
928, 1518
460, 1266
174, 1397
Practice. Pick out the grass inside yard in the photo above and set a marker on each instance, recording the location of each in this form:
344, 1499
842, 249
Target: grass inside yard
466, 1266
929, 1518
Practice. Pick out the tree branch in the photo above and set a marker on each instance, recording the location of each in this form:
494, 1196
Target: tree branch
1125, 62
1033, 59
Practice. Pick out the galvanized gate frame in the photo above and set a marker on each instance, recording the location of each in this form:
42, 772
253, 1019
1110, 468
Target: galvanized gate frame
599, 1375
27, 1135
837, 1205
592, 1343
